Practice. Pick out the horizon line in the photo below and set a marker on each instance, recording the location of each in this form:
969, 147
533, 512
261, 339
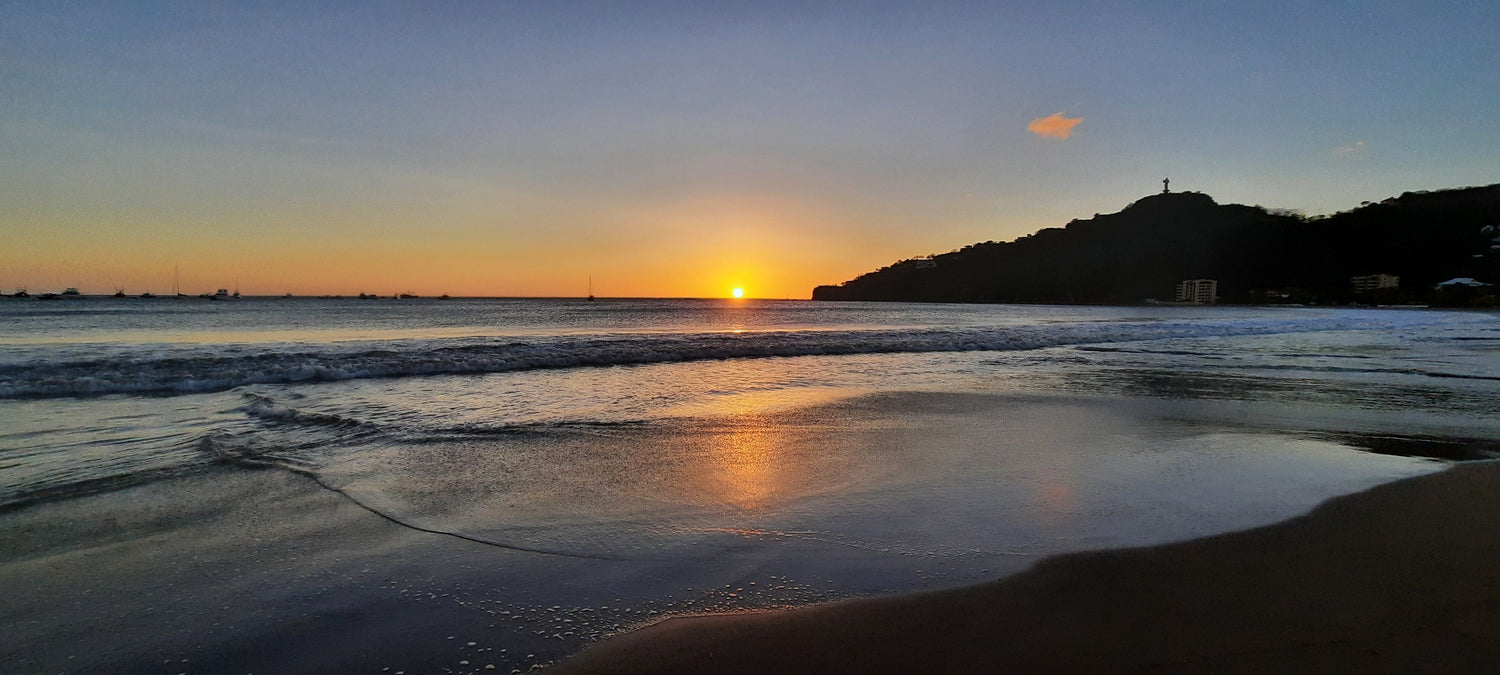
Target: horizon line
341, 296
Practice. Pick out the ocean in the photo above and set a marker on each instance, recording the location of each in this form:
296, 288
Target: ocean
714, 455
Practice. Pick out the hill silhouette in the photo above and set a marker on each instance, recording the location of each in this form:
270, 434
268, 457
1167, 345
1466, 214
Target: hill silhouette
1256, 255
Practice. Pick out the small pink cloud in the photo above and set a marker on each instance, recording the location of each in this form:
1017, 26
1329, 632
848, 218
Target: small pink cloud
1054, 126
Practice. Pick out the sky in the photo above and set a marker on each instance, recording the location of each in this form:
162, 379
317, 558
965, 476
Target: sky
682, 149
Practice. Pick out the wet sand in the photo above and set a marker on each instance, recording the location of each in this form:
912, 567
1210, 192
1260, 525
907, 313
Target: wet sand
239, 570
1401, 578
263, 571
256, 571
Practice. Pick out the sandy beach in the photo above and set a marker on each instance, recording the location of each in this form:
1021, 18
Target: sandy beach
264, 571
1400, 578
237, 569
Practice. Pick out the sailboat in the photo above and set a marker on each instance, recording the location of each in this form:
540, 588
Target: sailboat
177, 282
591, 288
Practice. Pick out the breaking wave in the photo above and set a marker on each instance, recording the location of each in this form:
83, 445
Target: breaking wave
163, 371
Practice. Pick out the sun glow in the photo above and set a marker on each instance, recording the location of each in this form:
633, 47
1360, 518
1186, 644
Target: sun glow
738, 292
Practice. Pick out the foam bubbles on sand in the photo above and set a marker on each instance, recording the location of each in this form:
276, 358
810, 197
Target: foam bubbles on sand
520, 636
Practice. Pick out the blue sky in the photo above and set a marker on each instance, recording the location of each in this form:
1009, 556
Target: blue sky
677, 148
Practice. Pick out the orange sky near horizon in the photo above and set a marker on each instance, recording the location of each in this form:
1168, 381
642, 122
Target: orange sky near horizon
703, 247
683, 150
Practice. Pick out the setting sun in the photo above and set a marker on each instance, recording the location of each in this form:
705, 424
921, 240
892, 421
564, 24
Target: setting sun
738, 292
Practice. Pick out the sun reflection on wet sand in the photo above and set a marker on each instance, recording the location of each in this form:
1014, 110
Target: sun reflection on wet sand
751, 460
1055, 496
747, 467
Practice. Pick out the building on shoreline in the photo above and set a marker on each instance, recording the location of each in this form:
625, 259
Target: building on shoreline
1374, 282
1198, 291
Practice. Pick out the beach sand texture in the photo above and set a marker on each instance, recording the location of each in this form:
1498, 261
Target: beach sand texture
1400, 578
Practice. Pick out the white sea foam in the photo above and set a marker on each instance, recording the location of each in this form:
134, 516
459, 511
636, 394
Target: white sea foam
197, 369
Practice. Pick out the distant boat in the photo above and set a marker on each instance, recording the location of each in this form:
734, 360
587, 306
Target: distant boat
591, 288
147, 295
288, 295
20, 293
409, 296
119, 293
444, 297
49, 296
221, 294
177, 283
71, 292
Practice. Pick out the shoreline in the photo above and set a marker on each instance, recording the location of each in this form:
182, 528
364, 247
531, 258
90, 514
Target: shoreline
1398, 578
244, 568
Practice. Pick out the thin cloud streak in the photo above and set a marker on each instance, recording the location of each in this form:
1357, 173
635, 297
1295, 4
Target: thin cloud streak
1347, 150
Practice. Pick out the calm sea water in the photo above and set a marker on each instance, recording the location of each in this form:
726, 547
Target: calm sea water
533, 396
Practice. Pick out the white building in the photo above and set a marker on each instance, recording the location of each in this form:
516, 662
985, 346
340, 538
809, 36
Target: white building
1198, 291
1375, 282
